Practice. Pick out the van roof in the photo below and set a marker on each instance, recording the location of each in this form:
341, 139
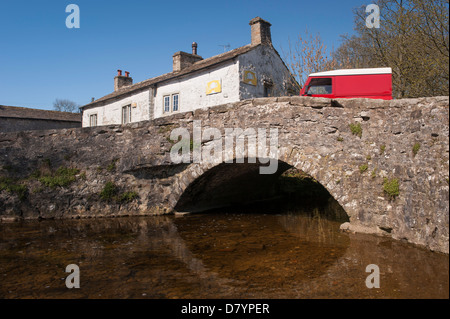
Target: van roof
354, 72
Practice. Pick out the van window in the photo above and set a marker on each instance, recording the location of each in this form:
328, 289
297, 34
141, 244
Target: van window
319, 86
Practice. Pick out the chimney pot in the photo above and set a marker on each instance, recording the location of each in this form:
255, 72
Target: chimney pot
122, 81
194, 48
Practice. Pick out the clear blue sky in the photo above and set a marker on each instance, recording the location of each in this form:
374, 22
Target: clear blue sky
41, 59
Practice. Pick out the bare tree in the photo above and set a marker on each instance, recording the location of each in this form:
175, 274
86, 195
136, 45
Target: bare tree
308, 55
412, 40
64, 105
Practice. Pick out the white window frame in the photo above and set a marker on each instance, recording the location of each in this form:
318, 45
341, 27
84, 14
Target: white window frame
170, 102
166, 106
177, 96
126, 114
91, 118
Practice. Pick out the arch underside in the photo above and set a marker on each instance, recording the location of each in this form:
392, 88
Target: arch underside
242, 184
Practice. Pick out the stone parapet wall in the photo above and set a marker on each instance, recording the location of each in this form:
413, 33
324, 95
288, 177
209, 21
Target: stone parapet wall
406, 141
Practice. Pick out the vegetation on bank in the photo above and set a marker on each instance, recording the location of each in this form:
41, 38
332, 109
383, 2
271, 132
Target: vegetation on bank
62, 177
356, 129
363, 168
416, 148
391, 187
13, 186
111, 192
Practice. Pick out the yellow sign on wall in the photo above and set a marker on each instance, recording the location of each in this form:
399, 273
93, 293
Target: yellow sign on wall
250, 78
213, 87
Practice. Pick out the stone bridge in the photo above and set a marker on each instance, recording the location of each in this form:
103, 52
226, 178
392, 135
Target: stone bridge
353, 147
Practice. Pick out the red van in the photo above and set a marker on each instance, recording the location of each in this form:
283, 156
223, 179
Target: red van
373, 83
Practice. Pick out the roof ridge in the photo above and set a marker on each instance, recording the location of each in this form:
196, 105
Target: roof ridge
171, 75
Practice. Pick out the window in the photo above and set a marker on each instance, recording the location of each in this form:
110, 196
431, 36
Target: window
166, 104
126, 114
175, 102
171, 103
268, 90
319, 86
268, 87
93, 120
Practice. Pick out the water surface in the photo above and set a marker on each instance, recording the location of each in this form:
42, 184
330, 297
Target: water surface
214, 255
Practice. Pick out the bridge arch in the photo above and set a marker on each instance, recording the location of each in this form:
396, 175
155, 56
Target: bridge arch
207, 187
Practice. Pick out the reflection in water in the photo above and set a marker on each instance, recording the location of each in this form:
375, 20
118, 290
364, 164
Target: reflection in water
211, 256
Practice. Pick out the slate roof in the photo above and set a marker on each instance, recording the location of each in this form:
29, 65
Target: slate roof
36, 114
172, 75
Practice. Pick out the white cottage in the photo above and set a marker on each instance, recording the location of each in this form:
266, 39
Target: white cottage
251, 71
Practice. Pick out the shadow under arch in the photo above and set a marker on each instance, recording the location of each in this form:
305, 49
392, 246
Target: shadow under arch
241, 185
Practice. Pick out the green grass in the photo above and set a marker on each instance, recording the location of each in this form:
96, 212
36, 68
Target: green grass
111, 192
356, 129
63, 177
382, 149
13, 187
416, 148
112, 166
127, 197
391, 187
363, 168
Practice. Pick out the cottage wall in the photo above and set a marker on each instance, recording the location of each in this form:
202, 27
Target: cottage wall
268, 68
193, 89
111, 113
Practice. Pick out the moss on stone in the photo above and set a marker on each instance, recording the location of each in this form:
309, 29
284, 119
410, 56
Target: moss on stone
391, 187
374, 173
112, 166
363, 168
356, 129
14, 187
109, 191
63, 177
127, 197
416, 148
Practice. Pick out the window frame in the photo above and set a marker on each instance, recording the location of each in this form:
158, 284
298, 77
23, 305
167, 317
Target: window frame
91, 117
127, 109
177, 96
321, 79
169, 101
166, 108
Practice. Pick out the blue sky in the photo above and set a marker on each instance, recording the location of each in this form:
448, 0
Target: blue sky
41, 59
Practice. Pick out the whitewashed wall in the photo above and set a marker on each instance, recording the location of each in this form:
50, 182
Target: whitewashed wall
192, 89
266, 63
263, 60
112, 113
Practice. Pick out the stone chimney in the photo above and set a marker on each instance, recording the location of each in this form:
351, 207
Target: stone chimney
182, 60
121, 81
260, 31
